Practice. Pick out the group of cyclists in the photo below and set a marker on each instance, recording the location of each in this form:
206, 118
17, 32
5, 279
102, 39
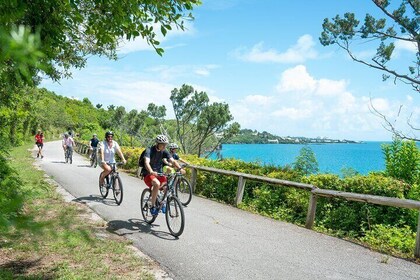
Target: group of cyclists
156, 158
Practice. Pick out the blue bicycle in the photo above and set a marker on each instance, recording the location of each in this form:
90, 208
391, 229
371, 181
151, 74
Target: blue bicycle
168, 203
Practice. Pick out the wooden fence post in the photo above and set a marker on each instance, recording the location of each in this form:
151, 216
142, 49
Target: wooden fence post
417, 249
193, 178
240, 190
310, 218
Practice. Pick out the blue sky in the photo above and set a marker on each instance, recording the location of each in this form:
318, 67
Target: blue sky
264, 59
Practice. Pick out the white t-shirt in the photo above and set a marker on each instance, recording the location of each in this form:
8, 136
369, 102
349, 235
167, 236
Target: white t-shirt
109, 150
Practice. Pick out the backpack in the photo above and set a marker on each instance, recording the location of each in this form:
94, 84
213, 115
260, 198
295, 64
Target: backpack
141, 159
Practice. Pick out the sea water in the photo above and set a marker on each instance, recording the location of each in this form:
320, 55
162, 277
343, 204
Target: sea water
332, 158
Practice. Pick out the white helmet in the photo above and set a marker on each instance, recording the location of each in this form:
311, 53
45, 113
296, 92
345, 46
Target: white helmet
162, 139
173, 146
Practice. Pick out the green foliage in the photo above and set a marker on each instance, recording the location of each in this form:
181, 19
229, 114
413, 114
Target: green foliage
11, 197
402, 160
306, 162
198, 122
70, 31
390, 239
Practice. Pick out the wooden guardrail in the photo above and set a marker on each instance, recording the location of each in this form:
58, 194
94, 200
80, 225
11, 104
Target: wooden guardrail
314, 194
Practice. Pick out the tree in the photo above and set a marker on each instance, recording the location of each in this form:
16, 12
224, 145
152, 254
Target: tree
200, 126
71, 30
402, 160
306, 162
401, 24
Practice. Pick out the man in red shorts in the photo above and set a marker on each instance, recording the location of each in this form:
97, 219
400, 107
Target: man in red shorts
153, 164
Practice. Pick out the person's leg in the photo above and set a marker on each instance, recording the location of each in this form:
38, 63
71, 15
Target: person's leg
106, 170
40, 150
155, 190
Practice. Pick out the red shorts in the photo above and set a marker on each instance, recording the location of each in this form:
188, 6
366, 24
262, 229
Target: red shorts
148, 180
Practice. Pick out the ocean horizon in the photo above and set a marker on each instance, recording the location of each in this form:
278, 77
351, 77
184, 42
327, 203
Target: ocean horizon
332, 157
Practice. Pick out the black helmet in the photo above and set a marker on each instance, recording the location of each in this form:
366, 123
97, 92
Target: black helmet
109, 133
162, 139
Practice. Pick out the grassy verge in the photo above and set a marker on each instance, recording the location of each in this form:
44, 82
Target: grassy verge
63, 243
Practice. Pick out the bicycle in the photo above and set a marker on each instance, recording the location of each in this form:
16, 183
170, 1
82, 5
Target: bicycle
168, 203
183, 189
68, 154
93, 157
112, 180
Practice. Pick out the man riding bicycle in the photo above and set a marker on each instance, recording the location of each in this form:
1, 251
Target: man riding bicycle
108, 149
68, 144
93, 145
153, 164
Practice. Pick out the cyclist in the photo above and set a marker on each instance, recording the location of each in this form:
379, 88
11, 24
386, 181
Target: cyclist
93, 145
172, 151
153, 164
68, 143
108, 148
39, 141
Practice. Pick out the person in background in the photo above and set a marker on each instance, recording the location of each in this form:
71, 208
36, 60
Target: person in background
68, 143
108, 149
39, 141
173, 147
93, 145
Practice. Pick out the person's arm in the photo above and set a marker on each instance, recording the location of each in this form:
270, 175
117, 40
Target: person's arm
102, 153
121, 155
148, 166
174, 162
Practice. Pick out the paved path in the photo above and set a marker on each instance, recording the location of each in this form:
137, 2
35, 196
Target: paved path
220, 241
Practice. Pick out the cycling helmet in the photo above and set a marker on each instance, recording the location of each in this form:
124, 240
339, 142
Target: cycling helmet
162, 139
173, 146
66, 135
109, 133
94, 135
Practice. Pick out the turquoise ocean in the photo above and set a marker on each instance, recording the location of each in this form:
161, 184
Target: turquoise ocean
363, 157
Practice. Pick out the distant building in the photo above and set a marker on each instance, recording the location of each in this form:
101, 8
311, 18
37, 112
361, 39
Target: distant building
276, 141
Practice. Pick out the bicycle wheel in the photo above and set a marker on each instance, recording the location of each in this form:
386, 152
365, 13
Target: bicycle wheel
183, 191
66, 156
175, 218
102, 188
117, 189
145, 204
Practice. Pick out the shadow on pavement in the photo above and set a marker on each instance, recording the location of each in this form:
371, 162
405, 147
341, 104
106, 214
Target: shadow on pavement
58, 162
84, 165
132, 226
96, 198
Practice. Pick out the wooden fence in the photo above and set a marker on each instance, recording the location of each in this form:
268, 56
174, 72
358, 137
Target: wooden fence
314, 193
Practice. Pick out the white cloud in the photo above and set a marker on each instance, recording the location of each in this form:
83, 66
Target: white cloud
298, 53
401, 45
311, 107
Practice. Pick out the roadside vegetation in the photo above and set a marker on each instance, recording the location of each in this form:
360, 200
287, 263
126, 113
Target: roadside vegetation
48, 238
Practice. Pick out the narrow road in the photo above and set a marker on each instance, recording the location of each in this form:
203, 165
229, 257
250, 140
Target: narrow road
220, 241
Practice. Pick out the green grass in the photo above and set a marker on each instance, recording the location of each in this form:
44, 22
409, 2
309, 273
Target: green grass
61, 243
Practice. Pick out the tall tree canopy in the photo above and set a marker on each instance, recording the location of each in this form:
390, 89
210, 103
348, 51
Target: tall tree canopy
400, 23
69, 31
200, 126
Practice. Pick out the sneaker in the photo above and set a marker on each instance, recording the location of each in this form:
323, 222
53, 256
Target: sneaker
37, 155
154, 211
42, 157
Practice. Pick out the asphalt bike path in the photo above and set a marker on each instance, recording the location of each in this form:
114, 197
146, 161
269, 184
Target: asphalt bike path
220, 241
